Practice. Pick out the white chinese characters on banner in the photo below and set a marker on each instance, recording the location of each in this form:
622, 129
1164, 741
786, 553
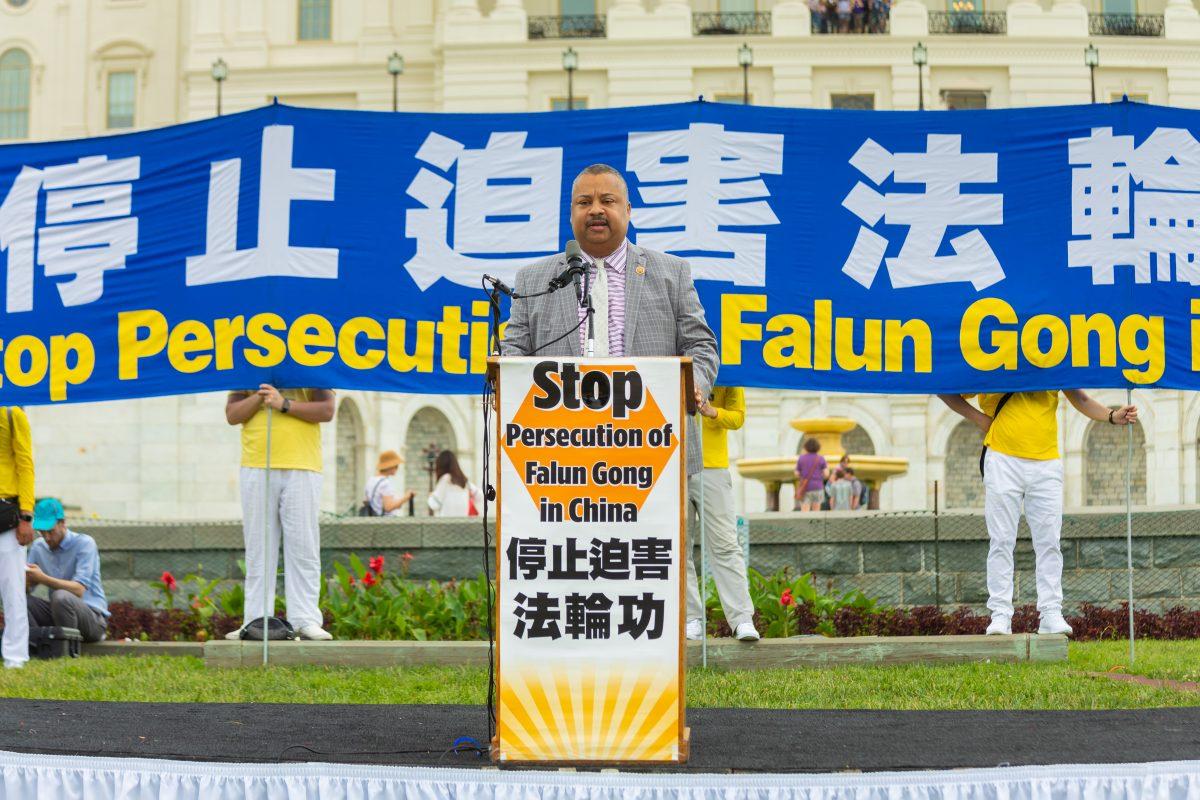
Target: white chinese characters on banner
1149, 229
506, 205
279, 184
89, 228
697, 185
943, 169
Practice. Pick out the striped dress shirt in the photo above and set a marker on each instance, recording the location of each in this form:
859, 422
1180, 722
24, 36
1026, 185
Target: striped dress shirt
614, 268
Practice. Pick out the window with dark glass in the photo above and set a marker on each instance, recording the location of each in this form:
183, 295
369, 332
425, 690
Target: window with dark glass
964, 99
14, 94
315, 18
862, 101
122, 103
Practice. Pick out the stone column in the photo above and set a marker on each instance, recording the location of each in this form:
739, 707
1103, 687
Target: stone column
909, 437
910, 18
464, 9
1183, 86
791, 18
904, 86
760, 439
1067, 18
793, 83
1181, 20
377, 20
1164, 451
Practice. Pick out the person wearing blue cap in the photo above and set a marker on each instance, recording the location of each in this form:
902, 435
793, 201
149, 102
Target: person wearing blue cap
67, 563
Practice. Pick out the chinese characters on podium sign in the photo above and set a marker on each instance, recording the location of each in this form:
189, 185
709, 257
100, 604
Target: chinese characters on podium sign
588, 560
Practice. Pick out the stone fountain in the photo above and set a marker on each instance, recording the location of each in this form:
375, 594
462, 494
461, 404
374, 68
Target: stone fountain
778, 471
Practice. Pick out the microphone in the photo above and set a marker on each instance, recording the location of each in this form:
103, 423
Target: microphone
573, 271
500, 286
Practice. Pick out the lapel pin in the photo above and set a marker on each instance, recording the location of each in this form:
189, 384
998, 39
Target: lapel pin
640, 270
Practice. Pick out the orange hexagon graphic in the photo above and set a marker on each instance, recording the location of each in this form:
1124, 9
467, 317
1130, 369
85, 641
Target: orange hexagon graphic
601, 473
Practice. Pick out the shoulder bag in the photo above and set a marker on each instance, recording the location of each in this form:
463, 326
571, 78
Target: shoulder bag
996, 413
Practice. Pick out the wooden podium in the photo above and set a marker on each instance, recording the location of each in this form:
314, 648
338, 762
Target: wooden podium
592, 495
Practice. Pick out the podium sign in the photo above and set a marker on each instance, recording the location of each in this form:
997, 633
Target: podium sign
590, 611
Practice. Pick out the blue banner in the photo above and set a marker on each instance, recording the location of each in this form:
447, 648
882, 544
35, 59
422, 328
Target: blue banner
834, 250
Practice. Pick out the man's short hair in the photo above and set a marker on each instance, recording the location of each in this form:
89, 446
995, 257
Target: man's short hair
602, 169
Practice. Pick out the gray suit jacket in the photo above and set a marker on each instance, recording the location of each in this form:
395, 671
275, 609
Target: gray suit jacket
663, 317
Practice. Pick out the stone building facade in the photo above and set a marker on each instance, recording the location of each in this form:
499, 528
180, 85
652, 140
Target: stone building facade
76, 68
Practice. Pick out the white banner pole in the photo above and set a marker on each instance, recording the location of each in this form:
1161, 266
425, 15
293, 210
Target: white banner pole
266, 539
703, 555
1129, 517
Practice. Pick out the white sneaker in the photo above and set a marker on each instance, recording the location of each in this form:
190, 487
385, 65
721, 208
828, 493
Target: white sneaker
745, 632
314, 632
14, 665
695, 630
236, 633
1001, 626
1053, 622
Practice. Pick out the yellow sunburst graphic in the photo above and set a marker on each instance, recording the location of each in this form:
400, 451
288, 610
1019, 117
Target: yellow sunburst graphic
596, 714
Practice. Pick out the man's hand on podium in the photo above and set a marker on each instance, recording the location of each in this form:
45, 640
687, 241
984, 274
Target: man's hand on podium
703, 407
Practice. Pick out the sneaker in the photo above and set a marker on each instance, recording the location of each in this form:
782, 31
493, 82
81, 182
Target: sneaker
695, 630
236, 633
314, 632
745, 632
1001, 626
1053, 622
14, 665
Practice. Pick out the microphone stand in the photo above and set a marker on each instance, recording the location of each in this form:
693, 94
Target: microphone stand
494, 302
590, 349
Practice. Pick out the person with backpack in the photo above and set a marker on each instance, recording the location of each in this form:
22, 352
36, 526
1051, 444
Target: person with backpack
380, 498
1022, 470
16, 531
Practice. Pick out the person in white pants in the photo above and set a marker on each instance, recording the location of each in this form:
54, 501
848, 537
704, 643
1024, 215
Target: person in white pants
281, 496
16, 531
723, 411
1022, 471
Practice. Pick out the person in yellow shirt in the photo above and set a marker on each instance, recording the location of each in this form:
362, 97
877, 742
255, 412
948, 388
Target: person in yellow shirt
722, 411
291, 512
1022, 469
16, 531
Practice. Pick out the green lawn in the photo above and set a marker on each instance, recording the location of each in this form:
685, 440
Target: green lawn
966, 686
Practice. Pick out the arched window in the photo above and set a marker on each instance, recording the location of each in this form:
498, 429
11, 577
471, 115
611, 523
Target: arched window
14, 94
858, 442
350, 478
1105, 450
964, 487
428, 432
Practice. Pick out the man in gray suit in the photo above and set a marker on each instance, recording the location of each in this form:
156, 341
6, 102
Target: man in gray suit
646, 304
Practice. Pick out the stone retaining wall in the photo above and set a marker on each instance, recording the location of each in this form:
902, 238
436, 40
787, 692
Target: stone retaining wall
890, 556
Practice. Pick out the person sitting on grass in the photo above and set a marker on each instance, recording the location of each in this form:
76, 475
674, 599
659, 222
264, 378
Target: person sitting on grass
67, 563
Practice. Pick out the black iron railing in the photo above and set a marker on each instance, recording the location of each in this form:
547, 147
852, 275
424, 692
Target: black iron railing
985, 22
571, 26
1125, 24
716, 23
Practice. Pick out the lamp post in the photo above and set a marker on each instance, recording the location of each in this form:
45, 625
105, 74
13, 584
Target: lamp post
920, 59
431, 454
745, 60
220, 71
1091, 57
395, 69
570, 61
